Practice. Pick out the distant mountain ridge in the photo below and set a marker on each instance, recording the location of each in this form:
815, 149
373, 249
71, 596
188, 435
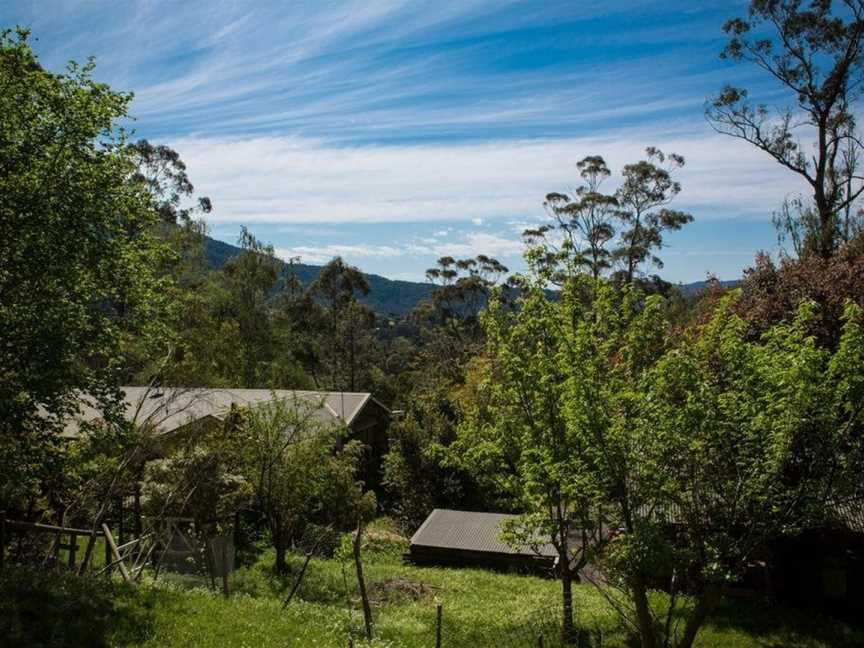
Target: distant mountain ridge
386, 296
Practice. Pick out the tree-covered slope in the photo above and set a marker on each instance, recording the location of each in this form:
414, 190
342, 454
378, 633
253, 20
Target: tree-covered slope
386, 296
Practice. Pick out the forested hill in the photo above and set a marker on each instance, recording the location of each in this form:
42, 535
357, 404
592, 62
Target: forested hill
386, 296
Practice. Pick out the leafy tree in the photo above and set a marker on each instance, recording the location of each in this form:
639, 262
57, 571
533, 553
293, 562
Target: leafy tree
701, 446
773, 292
451, 329
299, 469
813, 50
202, 479
249, 280
735, 443
163, 173
347, 324
451, 337
416, 471
77, 256
549, 390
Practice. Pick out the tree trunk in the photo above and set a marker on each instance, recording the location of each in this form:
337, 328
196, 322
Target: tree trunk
137, 510
644, 620
279, 546
706, 602
567, 635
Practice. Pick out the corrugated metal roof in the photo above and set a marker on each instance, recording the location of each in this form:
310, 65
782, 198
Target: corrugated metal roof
850, 514
168, 409
470, 531
847, 513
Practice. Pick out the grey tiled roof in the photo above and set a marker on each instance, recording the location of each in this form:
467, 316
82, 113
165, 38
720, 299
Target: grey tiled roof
168, 409
470, 531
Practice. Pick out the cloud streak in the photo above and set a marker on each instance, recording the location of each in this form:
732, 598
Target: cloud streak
290, 180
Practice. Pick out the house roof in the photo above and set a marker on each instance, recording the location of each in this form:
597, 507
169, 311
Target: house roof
470, 531
168, 409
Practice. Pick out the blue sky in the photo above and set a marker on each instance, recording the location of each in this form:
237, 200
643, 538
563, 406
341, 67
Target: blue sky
395, 132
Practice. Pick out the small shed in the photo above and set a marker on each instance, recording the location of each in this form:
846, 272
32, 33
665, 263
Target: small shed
473, 539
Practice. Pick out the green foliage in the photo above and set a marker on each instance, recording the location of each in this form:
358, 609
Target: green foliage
299, 469
592, 414
78, 257
203, 479
617, 233
480, 609
55, 610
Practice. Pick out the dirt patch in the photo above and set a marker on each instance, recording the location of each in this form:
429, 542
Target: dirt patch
400, 589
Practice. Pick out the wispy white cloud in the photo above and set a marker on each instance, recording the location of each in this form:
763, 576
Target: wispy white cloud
323, 253
292, 180
470, 245
382, 69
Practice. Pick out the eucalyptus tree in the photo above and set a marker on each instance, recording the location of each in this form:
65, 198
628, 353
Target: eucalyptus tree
163, 172
584, 222
615, 233
643, 197
248, 282
811, 50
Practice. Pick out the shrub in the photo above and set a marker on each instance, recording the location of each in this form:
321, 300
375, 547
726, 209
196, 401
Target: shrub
55, 610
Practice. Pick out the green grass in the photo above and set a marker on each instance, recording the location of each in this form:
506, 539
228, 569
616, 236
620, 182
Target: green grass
480, 609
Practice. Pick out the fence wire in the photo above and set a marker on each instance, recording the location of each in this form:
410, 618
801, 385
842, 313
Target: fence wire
531, 627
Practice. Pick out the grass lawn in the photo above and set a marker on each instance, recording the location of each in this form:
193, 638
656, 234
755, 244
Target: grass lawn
480, 609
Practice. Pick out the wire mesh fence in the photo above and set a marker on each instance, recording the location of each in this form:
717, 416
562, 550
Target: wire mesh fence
533, 626
451, 627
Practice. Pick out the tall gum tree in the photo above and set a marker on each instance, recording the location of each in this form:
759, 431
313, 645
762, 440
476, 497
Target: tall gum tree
813, 51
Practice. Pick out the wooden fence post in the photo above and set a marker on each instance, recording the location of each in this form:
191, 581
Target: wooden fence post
116, 553
225, 587
108, 560
438, 626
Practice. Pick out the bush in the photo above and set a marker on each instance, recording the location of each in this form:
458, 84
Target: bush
55, 610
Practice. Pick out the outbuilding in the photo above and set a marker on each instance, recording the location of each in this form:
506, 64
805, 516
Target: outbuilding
473, 539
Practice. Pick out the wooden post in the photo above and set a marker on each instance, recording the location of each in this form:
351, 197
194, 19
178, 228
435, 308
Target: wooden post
88, 551
108, 559
110, 540
438, 625
2, 539
58, 540
297, 581
361, 582
225, 590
